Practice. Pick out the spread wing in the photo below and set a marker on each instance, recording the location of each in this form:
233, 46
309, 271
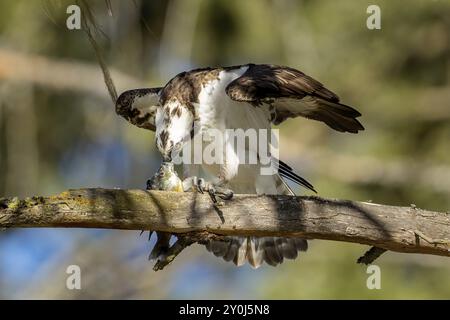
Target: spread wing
138, 106
292, 93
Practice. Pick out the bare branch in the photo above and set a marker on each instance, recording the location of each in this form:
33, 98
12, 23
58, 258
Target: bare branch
371, 255
59, 74
402, 229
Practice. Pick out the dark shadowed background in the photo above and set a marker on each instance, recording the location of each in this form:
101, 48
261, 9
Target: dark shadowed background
58, 130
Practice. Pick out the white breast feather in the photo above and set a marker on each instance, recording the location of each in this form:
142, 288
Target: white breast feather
217, 110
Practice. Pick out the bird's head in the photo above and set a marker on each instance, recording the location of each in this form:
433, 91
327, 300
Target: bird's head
174, 124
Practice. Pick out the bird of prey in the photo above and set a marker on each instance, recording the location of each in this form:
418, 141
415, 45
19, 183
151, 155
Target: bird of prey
251, 96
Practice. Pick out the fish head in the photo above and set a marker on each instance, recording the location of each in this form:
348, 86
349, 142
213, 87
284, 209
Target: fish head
165, 179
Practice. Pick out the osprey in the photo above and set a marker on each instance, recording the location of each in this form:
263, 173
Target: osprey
244, 97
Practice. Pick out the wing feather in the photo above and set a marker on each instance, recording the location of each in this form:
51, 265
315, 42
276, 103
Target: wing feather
285, 171
293, 94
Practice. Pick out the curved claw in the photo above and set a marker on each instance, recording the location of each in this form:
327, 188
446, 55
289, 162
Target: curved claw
200, 185
212, 194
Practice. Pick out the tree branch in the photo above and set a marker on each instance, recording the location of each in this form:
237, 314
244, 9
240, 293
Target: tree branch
59, 74
401, 229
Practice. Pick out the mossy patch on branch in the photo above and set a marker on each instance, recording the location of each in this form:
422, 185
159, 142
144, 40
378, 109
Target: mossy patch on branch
16, 203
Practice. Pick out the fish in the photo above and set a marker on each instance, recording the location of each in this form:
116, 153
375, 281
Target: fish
165, 179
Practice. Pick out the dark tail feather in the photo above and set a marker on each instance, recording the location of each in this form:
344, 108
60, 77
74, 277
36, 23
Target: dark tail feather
256, 250
285, 171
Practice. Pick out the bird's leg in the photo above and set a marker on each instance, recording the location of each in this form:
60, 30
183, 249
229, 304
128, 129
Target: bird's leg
213, 189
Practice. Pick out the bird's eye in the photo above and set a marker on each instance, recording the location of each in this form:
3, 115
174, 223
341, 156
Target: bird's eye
162, 173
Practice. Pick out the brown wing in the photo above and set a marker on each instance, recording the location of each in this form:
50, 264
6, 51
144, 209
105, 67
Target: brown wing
292, 94
138, 106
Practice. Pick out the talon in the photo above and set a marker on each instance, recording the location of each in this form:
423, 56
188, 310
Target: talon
212, 194
200, 185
